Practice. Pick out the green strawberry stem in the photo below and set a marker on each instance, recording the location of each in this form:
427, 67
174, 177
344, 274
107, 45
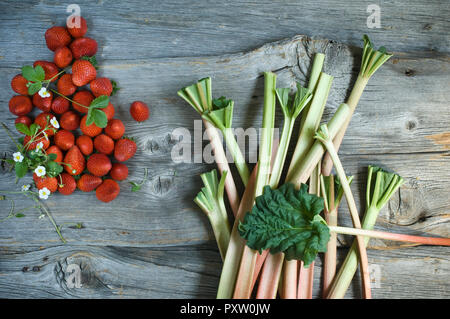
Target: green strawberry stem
52, 78
68, 99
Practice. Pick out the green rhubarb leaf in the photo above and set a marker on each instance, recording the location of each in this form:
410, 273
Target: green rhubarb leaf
287, 220
198, 95
222, 117
381, 185
372, 59
325, 183
220, 103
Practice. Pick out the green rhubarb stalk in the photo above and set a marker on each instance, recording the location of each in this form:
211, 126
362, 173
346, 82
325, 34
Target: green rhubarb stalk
381, 186
324, 136
210, 200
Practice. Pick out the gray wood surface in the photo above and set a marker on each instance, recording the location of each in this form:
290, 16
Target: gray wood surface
157, 243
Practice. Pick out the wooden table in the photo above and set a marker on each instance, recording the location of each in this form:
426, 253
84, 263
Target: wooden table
156, 243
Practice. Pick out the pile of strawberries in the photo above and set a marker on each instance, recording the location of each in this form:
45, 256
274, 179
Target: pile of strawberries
92, 156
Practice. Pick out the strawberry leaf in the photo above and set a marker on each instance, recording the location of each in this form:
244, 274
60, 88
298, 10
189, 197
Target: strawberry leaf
23, 129
21, 169
40, 73
91, 59
34, 87
53, 169
287, 220
100, 102
29, 73
99, 118
115, 87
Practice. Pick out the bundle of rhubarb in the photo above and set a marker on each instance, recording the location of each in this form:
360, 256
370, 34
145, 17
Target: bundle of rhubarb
279, 229
74, 139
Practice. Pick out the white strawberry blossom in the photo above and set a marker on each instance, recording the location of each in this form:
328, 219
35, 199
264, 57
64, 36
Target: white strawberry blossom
18, 157
40, 171
25, 187
39, 146
54, 122
45, 135
44, 93
44, 192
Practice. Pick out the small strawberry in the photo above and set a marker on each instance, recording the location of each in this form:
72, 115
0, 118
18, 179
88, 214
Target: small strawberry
139, 111
77, 30
83, 72
91, 130
83, 47
119, 171
65, 85
88, 182
70, 121
20, 105
84, 98
109, 111
63, 57
50, 69
104, 144
67, 184
101, 86
56, 37
115, 129
85, 144
60, 105
32, 145
74, 161
43, 103
45, 181
64, 139
19, 84
107, 191
57, 151
24, 120
125, 149
99, 164
42, 119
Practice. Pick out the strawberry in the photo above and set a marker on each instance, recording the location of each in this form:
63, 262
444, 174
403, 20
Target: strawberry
76, 160
24, 120
88, 182
63, 57
77, 30
64, 139
70, 121
99, 164
67, 184
85, 144
139, 111
42, 119
43, 103
104, 144
56, 37
60, 105
50, 69
19, 84
91, 130
65, 85
83, 72
101, 86
32, 146
45, 181
109, 111
57, 151
115, 129
83, 47
84, 98
107, 191
125, 149
119, 171
20, 105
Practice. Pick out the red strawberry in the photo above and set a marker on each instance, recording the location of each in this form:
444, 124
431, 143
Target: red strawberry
88, 182
70, 121
85, 144
91, 130
42, 119
107, 191
64, 139
44, 181
24, 120
60, 105
67, 184
115, 129
104, 144
50, 69
20, 105
57, 37
83, 72
32, 146
77, 26
57, 151
84, 98
63, 57
139, 111
76, 160
119, 171
65, 85
109, 111
19, 84
101, 86
99, 164
124, 149
83, 47
43, 103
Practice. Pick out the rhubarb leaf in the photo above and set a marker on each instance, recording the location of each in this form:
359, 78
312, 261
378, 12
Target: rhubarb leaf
287, 220
381, 185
